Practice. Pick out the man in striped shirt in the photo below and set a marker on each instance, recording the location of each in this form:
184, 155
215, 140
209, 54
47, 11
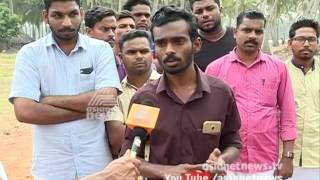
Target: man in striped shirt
261, 84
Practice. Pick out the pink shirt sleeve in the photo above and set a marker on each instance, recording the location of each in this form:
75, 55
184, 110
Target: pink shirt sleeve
286, 104
213, 69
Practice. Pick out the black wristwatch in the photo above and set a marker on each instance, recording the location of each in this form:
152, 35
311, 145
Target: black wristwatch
289, 155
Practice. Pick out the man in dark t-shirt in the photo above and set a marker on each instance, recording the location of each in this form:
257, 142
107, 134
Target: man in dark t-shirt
217, 41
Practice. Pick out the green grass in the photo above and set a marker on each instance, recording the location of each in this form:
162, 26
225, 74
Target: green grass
7, 62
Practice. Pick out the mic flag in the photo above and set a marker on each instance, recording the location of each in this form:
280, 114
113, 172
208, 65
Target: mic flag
142, 119
142, 116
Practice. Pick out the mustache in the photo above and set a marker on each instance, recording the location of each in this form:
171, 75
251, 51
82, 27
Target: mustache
251, 42
139, 61
306, 49
171, 58
209, 20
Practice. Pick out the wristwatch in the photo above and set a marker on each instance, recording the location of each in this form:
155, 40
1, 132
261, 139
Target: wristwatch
289, 155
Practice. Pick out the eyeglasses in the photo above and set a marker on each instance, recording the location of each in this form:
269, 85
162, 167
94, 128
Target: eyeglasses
302, 40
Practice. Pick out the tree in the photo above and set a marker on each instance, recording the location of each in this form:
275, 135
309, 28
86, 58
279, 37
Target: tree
9, 24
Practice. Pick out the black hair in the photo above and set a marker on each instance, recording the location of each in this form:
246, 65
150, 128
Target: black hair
193, 1
169, 14
96, 14
132, 35
250, 14
130, 3
304, 23
47, 3
124, 14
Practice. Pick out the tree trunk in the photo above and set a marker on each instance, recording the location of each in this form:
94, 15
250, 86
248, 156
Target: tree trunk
11, 6
312, 9
237, 7
119, 5
272, 25
155, 5
263, 6
182, 4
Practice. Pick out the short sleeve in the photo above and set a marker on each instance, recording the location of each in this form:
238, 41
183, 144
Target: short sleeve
115, 114
106, 70
26, 79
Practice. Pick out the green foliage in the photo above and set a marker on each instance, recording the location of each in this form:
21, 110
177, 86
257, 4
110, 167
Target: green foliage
28, 10
9, 23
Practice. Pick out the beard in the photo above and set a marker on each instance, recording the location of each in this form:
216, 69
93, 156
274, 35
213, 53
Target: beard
177, 70
304, 56
215, 27
57, 33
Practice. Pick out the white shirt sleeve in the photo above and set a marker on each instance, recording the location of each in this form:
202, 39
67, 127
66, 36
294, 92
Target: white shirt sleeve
26, 79
106, 70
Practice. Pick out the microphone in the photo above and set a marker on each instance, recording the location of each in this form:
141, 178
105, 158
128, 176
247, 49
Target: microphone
141, 119
140, 136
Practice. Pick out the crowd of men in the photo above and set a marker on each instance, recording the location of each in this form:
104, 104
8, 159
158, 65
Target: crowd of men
223, 101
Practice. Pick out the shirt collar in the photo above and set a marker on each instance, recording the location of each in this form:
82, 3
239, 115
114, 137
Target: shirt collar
50, 41
127, 84
202, 82
154, 75
301, 67
234, 57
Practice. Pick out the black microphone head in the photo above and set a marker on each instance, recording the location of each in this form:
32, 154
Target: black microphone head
148, 102
140, 132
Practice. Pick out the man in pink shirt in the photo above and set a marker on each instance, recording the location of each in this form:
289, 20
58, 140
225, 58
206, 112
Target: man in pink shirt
261, 85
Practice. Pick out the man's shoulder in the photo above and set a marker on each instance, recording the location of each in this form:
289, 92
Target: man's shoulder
93, 42
272, 59
148, 91
35, 44
218, 84
220, 61
33, 49
149, 87
224, 58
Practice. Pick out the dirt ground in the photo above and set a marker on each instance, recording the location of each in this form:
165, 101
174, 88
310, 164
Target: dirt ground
15, 137
15, 149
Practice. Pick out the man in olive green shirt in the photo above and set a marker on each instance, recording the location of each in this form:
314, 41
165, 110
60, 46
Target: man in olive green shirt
304, 70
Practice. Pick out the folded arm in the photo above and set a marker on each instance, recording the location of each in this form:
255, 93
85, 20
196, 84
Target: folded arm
32, 112
105, 97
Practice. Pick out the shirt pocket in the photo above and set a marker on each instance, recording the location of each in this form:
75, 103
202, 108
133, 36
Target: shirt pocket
87, 82
268, 92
